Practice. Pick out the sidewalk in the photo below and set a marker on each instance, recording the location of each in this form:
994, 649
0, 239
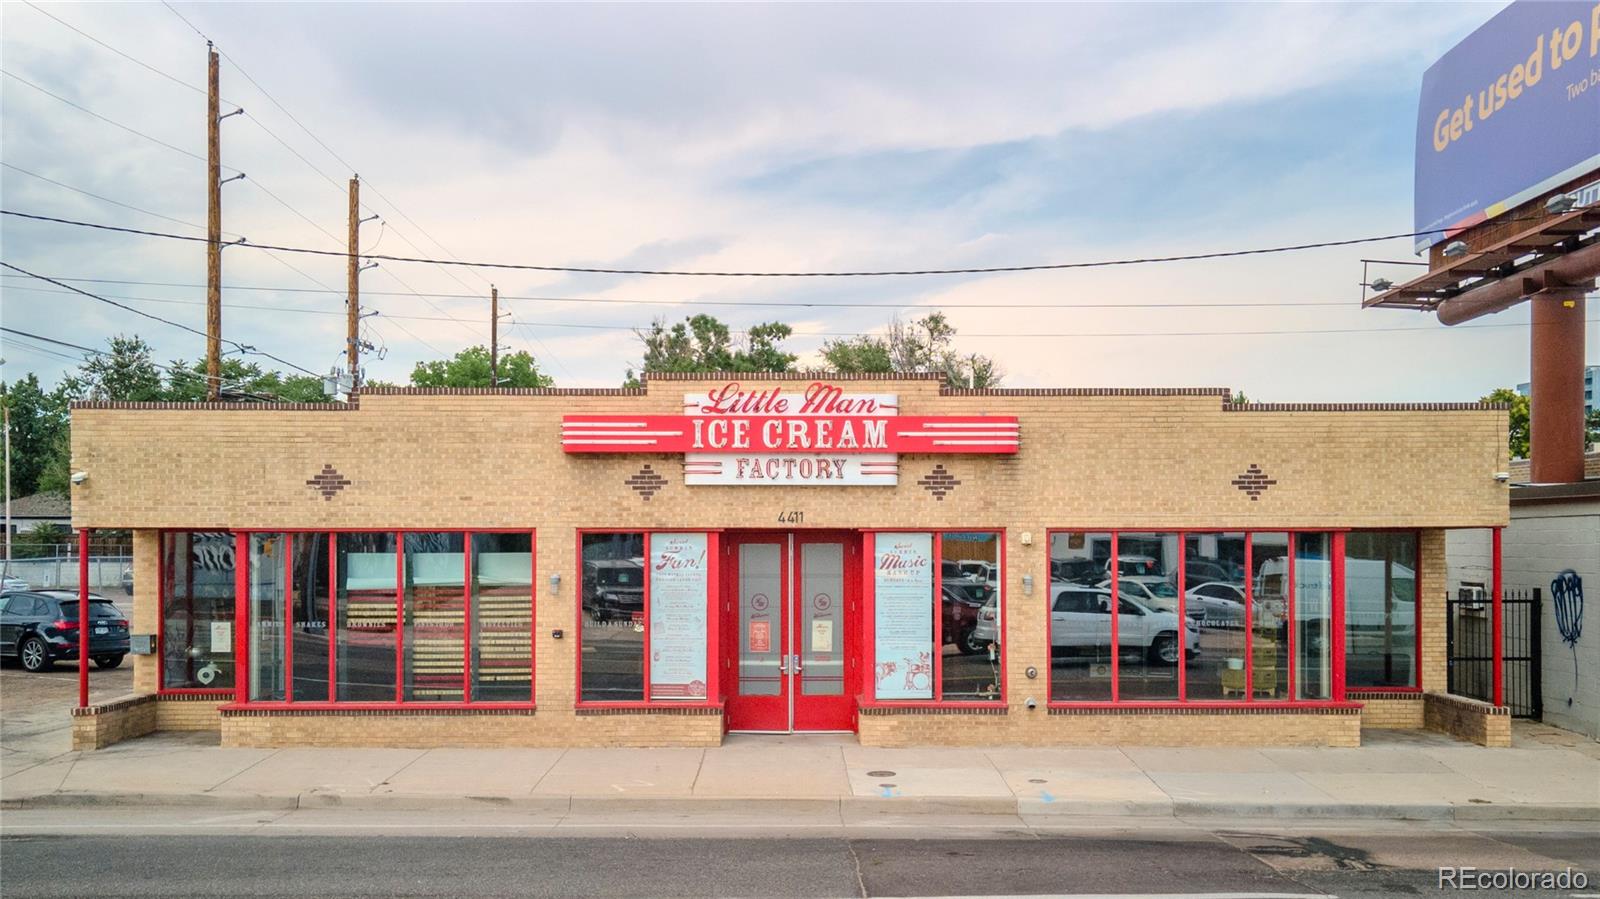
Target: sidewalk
1400, 776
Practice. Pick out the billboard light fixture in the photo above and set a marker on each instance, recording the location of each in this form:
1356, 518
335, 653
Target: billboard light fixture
1560, 204
1455, 249
1381, 284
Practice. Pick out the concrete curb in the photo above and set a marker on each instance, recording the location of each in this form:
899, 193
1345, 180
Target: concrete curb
789, 808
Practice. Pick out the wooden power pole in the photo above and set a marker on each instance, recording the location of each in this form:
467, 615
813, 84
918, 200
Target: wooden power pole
353, 285
213, 230
494, 336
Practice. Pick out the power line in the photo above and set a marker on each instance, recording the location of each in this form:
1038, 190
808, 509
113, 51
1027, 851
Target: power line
138, 62
170, 369
597, 326
243, 348
108, 121
1105, 263
79, 190
798, 304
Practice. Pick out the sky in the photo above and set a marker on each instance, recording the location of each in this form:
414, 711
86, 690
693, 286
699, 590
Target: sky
747, 137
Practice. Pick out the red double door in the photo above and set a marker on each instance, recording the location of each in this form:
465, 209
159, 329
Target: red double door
790, 606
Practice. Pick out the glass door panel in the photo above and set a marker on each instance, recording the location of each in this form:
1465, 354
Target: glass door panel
761, 645
821, 607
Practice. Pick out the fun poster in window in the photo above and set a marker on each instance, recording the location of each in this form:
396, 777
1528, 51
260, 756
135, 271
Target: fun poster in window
903, 616
678, 616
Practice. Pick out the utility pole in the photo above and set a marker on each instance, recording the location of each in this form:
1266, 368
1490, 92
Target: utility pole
494, 336
7, 568
213, 229
353, 285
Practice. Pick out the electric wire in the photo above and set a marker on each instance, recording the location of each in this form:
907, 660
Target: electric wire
1104, 263
109, 121
235, 386
599, 326
798, 304
243, 348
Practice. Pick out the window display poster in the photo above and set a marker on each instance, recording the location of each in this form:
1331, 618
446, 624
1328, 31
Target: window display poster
903, 616
678, 584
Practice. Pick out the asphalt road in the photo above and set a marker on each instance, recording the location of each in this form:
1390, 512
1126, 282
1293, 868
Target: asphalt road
1171, 862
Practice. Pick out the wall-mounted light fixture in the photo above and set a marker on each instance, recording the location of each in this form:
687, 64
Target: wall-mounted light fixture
1027, 538
1027, 585
555, 584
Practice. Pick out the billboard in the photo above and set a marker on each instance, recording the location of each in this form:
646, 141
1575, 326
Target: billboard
1509, 113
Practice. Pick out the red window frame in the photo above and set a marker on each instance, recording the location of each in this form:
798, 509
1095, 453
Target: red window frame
1336, 692
1416, 534
867, 697
241, 635
163, 595
713, 623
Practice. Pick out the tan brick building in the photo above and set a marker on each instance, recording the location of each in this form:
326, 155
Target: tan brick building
914, 564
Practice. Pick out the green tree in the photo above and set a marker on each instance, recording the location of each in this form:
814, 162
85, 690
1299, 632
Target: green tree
1517, 439
704, 343
38, 419
187, 382
923, 345
470, 368
127, 371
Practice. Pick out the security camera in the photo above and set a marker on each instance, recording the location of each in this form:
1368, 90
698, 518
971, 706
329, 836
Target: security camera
78, 477
1502, 476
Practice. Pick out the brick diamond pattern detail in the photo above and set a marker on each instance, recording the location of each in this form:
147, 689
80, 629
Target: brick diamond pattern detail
938, 482
328, 482
646, 483
1254, 482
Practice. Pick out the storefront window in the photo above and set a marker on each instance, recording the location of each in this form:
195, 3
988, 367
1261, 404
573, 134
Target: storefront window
435, 617
970, 617
1148, 629
612, 627
1313, 616
197, 610
1380, 612
1079, 599
366, 607
502, 617
1214, 602
309, 602
1253, 606
268, 587
1269, 616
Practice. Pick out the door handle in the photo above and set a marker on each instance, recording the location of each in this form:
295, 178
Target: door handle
797, 666
783, 664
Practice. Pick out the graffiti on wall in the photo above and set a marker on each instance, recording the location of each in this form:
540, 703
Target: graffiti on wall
1567, 591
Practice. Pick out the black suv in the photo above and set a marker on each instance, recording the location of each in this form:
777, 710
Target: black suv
41, 626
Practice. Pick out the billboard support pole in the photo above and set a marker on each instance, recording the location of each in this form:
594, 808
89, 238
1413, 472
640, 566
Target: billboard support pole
1555, 395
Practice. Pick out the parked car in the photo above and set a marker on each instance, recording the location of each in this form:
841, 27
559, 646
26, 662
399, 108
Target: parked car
1080, 620
958, 623
40, 628
1152, 592
613, 588
1076, 571
10, 584
987, 628
988, 572
127, 580
1216, 603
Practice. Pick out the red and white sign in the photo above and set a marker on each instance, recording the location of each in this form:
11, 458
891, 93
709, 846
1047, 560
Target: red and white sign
818, 435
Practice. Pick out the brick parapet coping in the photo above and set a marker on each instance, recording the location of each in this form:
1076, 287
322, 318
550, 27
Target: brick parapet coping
1223, 394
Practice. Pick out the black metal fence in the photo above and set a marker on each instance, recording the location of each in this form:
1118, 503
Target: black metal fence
1469, 629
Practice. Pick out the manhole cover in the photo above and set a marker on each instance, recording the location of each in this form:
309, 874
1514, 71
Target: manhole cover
880, 773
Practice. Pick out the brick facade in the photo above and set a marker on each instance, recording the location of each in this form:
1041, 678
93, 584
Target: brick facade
1129, 459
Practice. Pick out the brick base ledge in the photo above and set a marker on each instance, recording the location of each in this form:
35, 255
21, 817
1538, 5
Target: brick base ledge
1181, 710
648, 710
121, 703
397, 712
879, 711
